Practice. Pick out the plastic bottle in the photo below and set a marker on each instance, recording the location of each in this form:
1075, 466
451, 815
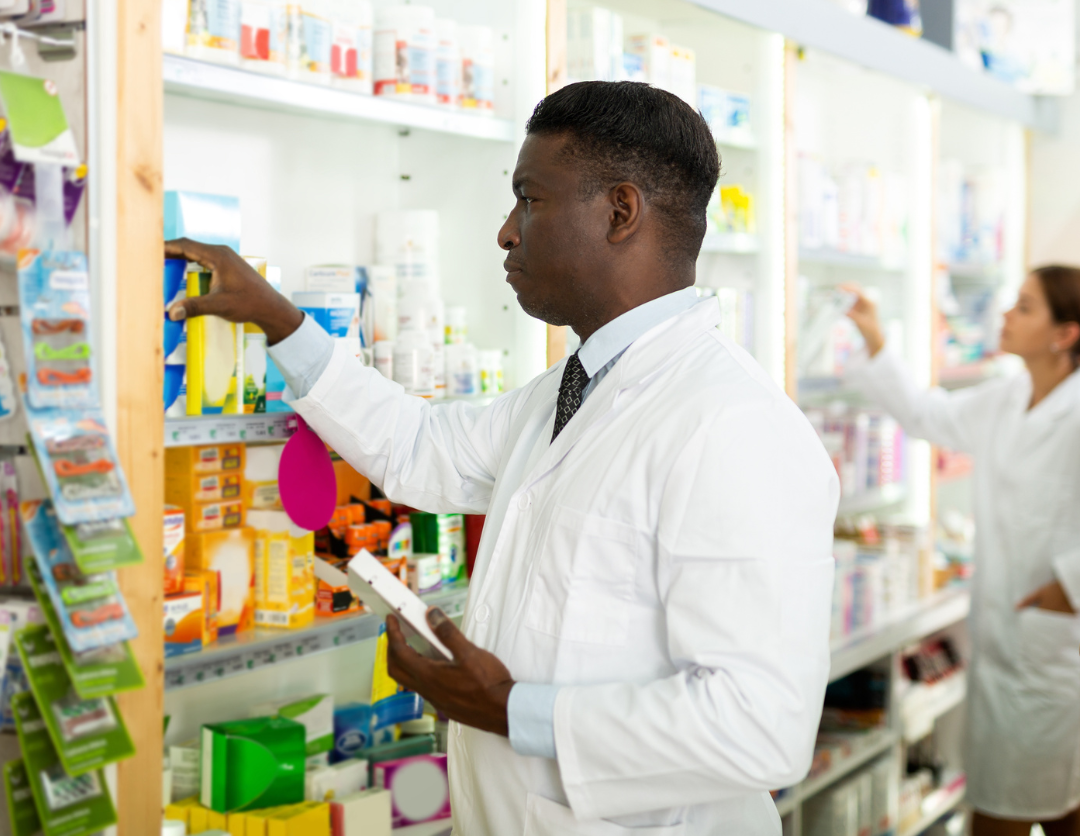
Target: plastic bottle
447, 64
457, 327
384, 358
478, 68
414, 363
462, 370
404, 52
309, 41
264, 29
491, 372
350, 50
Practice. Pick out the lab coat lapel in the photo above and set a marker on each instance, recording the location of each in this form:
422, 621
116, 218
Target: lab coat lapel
645, 357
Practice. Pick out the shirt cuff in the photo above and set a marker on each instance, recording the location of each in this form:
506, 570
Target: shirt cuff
303, 356
530, 714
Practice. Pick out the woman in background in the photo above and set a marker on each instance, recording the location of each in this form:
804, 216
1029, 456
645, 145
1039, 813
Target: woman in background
1023, 432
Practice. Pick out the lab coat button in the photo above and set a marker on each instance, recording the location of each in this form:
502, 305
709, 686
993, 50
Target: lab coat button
483, 612
524, 501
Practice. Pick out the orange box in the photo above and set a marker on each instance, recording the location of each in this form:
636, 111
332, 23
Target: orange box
213, 458
231, 554
214, 516
185, 623
174, 549
208, 584
184, 489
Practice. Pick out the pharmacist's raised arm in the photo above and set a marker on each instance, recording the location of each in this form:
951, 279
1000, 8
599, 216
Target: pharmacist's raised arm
880, 373
237, 292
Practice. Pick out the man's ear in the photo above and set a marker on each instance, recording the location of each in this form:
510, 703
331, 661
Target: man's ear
627, 208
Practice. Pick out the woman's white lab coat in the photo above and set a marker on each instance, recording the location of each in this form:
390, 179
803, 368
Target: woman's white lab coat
667, 559
1023, 752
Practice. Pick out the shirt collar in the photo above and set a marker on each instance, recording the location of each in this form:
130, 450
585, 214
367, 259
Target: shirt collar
608, 342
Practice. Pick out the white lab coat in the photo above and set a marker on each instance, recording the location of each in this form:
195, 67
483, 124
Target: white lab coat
1023, 749
667, 559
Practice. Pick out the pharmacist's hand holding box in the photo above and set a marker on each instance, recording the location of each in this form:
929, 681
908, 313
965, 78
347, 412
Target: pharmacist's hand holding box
237, 292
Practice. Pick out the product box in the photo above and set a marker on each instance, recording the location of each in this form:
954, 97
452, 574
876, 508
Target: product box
180, 810
352, 731
260, 489
334, 278
308, 819
181, 462
316, 715
230, 553
366, 813
342, 779
207, 583
215, 357
252, 379
210, 218
174, 549
284, 571
337, 313
214, 516
418, 786
184, 761
184, 490
185, 623
251, 764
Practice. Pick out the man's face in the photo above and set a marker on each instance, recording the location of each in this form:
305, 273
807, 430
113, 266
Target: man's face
554, 239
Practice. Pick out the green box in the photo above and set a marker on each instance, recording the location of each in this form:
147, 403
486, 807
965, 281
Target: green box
249, 764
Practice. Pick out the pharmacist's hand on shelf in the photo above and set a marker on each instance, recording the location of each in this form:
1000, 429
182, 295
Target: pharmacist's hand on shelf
473, 689
865, 316
237, 292
1051, 597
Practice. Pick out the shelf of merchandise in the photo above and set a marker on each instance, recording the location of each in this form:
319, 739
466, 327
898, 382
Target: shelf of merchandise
441, 827
957, 377
938, 804
975, 271
869, 43
877, 743
215, 429
731, 242
851, 261
234, 85
923, 704
257, 649
866, 646
871, 500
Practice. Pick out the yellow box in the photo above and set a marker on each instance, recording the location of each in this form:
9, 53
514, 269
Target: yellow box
181, 810
237, 824
230, 553
185, 623
260, 490
207, 583
186, 488
174, 549
199, 819
217, 821
215, 358
284, 571
308, 819
214, 516
210, 458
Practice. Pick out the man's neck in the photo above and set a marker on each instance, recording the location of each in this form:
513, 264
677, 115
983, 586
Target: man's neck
598, 319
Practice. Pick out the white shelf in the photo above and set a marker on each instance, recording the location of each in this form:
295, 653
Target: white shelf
255, 649
850, 261
233, 85
921, 706
730, 242
739, 142
975, 271
859, 650
215, 429
439, 827
824, 25
878, 743
871, 500
937, 804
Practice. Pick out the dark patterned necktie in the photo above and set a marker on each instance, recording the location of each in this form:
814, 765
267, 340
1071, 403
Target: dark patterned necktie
574, 381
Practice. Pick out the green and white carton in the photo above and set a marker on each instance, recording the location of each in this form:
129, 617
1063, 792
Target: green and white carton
66, 805
95, 673
250, 764
86, 734
316, 715
39, 128
22, 812
103, 546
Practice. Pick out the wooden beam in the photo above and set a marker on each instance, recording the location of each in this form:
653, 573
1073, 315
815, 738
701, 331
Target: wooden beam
139, 377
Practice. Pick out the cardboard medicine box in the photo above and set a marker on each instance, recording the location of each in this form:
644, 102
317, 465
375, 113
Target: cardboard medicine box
174, 549
185, 624
210, 458
231, 554
252, 764
284, 571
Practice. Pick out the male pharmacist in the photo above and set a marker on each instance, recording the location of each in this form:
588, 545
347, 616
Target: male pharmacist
645, 648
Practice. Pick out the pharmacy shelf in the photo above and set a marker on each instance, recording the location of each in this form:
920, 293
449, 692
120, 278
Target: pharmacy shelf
739, 142
938, 804
233, 85
871, 500
824, 25
989, 272
256, 649
865, 646
972, 374
217, 429
730, 242
921, 706
850, 261
876, 744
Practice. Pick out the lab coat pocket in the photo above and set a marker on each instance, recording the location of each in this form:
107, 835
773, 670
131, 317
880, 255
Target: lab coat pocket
584, 579
544, 817
1050, 647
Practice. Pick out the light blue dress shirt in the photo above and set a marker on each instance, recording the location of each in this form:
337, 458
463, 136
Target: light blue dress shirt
304, 355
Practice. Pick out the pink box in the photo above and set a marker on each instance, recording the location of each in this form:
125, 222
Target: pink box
418, 787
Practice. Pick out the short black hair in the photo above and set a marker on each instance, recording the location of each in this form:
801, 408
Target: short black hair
627, 131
